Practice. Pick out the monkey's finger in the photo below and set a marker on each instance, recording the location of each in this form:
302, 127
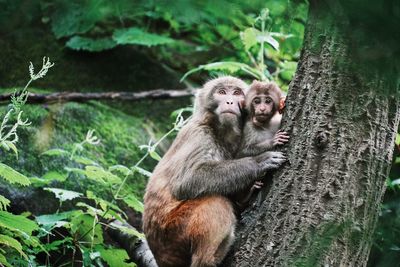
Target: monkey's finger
281, 135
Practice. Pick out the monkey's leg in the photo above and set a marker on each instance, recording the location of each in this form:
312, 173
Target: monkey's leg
211, 229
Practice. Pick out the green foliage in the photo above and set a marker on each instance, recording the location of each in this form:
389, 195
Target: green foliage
4, 203
12, 176
263, 60
17, 223
89, 44
139, 37
115, 257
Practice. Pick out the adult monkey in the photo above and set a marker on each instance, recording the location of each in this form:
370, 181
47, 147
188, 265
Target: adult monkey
188, 219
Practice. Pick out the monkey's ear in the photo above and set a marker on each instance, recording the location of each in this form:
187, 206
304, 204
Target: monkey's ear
282, 104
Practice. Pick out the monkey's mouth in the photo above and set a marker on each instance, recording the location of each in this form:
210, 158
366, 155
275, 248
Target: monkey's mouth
261, 117
229, 112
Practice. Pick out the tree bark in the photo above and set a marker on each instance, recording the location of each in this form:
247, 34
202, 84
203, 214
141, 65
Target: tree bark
121, 96
342, 113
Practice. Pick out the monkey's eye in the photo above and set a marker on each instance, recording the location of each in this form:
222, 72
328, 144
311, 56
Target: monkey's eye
221, 92
257, 101
268, 100
238, 92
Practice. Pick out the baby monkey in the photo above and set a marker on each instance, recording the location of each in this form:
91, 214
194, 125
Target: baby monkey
264, 105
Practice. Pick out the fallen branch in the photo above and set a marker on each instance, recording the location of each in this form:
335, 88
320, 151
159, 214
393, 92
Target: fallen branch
121, 96
138, 250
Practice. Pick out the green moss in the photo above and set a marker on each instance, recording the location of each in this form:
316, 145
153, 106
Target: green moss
62, 125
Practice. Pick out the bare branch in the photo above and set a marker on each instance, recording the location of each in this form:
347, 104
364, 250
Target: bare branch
120, 96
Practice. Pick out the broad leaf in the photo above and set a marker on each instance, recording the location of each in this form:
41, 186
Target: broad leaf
134, 203
84, 160
138, 36
55, 176
89, 44
249, 37
50, 221
17, 223
115, 257
83, 226
62, 194
12, 176
56, 152
120, 168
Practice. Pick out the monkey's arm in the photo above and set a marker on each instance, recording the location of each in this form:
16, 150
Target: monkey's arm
253, 149
225, 177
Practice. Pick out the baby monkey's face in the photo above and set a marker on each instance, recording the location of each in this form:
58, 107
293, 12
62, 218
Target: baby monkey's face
262, 102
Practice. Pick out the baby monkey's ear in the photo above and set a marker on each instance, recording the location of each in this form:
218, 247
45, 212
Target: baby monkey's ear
281, 104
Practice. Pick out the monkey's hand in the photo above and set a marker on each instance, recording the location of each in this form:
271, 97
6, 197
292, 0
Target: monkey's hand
280, 138
269, 160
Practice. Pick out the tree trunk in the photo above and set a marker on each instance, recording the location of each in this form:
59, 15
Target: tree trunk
342, 113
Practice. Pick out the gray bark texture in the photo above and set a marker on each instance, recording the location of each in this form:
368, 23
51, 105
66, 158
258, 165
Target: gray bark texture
342, 116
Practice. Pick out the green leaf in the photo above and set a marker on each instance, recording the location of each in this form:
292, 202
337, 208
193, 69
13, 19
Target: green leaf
56, 152
17, 223
4, 203
72, 17
12, 146
3, 260
13, 243
134, 203
89, 44
249, 37
397, 141
395, 182
12, 176
55, 176
138, 36
120, 168
99, 174
84, 160
127, 230
267, 38
227, 66
58, 244
155, 155
50, 221
115, 257
62, 194
83, 226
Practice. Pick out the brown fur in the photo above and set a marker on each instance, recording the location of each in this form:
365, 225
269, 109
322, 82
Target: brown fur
260, 135
188, 219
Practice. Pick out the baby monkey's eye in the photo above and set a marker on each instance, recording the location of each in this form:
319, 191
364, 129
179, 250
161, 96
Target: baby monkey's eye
237, 92
221, 92
257, 101
268, 100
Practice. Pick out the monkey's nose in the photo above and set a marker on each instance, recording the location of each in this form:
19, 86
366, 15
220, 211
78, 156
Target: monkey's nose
229, 103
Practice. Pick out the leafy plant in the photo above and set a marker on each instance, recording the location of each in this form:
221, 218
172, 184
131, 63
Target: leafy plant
16, 230
254, 39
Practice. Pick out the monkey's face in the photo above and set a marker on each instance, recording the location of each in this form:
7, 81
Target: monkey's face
263, 107
228, 101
